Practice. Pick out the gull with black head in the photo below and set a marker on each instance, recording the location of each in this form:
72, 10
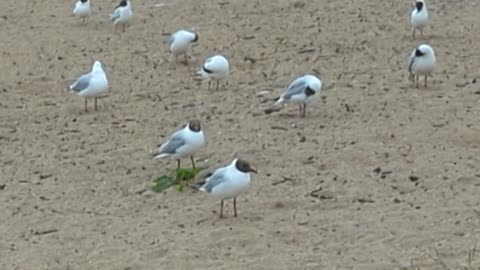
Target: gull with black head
182, 143
228, 182
419, 17
122, 14
422, 62
82, 9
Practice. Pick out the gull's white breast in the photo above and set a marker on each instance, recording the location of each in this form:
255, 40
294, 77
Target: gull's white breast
82, 9
419, 19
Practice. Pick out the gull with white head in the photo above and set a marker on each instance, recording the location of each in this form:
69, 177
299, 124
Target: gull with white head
215, 68
82, 9
182, 143
122, 14
300, 91
419, 17
228, 182
91, 85
180, 41
422, 62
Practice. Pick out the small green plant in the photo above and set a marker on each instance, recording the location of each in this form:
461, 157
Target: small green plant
178, 178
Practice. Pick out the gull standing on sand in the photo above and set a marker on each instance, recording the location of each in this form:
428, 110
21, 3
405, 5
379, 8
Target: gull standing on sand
300, 91
422, 62
215, 68
184, 142
228, 182
92, 84
122, 14
180, 41
419, 17
82, 9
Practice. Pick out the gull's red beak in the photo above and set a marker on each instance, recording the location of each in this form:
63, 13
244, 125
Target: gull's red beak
252, 169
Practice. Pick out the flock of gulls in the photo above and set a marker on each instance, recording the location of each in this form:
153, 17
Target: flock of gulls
230, 181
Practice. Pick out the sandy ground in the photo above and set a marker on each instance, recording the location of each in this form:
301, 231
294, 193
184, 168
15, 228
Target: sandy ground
388, 181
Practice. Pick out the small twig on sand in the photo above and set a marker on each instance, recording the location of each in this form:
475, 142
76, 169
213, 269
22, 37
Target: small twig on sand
279, 128
347, 107
306, 51
476, 212
274, 65
314, 194
43, 232
285, 179
471, 255
438, 258
272, 109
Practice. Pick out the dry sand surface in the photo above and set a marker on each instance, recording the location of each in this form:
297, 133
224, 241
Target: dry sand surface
390, 180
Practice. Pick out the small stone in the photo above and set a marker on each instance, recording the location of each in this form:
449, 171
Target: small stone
413, 178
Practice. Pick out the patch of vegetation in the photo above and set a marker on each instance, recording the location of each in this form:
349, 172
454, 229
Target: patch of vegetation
177, 178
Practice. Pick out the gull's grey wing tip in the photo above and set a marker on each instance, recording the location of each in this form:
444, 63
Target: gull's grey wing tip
81, 84
213, 180
294, 89
172, 145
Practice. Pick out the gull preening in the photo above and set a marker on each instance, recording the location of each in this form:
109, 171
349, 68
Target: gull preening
228, 182
91, 85
122, 14
300, 91
215, 68
419, 17
422, 62
183, 143
180, 41
82, 9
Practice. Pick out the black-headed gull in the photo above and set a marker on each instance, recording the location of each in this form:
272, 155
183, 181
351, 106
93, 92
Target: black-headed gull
300, 91
215, 68
228, 182
91, 85
422, 62
122, 14
419, 17
82, 9
180, 41
184, 142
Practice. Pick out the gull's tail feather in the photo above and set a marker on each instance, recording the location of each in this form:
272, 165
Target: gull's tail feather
158, 155
198, 186
71, 87
280, 100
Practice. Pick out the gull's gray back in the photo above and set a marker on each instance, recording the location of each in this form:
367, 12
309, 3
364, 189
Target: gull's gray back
216, 179
172, 145
295, 89
82, 83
